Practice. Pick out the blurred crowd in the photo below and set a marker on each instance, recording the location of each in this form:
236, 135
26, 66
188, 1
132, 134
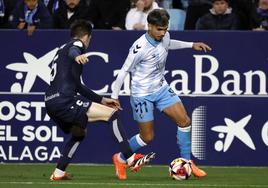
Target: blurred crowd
131, 14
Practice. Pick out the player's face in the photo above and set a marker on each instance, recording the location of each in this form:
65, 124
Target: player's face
31, 4
86, 40
220, 7
157, 32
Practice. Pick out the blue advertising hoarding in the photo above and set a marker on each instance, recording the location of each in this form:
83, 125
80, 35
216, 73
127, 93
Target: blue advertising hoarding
224, 91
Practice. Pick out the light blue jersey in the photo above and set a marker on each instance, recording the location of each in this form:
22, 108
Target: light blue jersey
148, 65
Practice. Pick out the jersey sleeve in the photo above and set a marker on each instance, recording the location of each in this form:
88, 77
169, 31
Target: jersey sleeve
134, 57
172, 44
88, 93
76, 49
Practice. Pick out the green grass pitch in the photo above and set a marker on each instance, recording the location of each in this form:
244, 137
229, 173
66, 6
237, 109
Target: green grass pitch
102, 176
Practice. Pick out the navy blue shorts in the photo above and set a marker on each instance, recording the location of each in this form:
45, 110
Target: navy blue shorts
68, 111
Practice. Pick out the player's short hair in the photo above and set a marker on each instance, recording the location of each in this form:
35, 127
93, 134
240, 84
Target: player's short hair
158, 17
80, 28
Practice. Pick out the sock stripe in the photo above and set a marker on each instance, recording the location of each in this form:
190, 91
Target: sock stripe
140, 141
185, 129
73, 149
116, 131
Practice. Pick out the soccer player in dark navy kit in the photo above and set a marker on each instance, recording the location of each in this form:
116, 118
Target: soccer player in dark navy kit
71, 111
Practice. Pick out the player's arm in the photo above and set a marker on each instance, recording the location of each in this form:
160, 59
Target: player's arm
75, 53
131, 60
118, 83
177, 44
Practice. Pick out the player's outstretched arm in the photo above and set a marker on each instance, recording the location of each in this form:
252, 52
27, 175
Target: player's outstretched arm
200, 46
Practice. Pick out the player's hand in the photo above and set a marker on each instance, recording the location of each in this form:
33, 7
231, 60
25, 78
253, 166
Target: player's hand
30, 29
81, 59
21, 25
200, 46
113, 103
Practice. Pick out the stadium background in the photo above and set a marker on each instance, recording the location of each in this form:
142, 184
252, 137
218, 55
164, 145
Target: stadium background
226, 87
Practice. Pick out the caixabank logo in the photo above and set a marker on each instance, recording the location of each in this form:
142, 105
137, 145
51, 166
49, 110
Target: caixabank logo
26, 133
239, 137
30, 70
236, 131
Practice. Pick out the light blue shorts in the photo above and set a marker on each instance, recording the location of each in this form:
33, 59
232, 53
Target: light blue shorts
143, 107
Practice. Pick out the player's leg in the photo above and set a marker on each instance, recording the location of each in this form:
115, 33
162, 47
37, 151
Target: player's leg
143, 114
142, 108
77, 135
98, 112
178, 114
171, 105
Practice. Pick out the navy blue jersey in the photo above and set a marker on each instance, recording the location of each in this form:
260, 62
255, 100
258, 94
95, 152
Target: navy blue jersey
65, 73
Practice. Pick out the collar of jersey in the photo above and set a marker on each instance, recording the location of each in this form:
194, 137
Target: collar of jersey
151, 40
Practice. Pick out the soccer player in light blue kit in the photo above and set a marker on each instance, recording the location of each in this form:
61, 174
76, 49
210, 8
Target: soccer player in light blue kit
146, 63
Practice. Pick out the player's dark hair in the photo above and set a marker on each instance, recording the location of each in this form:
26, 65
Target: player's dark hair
158, 17
80, 28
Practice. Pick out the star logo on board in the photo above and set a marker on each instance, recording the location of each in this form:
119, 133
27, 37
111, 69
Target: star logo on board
33, 67
232, 130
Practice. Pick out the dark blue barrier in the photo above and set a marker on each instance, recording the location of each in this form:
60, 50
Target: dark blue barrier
224, 91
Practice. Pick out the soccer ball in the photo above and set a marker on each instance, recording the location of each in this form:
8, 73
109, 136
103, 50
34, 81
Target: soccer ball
180, 169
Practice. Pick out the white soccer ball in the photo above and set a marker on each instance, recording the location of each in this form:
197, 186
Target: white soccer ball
180, 169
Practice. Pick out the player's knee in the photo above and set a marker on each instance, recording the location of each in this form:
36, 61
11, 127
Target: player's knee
78, 132
147, 138
185, 122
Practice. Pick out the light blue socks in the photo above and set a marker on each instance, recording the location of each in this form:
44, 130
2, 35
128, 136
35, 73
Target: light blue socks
184, 141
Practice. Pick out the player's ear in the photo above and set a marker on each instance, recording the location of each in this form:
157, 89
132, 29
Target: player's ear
150, 26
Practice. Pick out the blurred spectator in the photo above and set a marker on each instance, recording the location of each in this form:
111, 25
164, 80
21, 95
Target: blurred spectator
177, 4
219, 18
170, 4
136, 18
30, 15
108, 14
195, 10
243, 10
259, 16
70, 11
54, 5
45, 2
6, 7
166, 4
